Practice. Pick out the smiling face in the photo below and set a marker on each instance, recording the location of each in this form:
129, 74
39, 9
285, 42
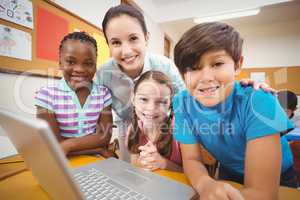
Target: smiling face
152, 102
127, 43
78, 63
212, 80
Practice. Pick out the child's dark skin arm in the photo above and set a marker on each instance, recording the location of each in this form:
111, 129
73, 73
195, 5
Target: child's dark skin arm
262, 168
49, 116
100, 139
206, 187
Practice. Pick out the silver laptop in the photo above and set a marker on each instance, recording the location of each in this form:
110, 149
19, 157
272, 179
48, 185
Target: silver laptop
107, 179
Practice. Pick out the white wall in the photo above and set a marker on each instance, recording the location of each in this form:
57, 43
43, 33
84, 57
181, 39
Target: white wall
91, 10
171, 10
156, 41
272, 45
17, 93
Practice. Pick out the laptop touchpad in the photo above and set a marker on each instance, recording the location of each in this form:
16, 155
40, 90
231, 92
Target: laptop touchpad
132, 177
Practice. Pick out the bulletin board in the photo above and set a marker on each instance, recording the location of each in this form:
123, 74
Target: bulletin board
50, 23
279, 78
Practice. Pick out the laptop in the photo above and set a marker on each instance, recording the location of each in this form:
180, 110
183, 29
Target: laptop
107, 179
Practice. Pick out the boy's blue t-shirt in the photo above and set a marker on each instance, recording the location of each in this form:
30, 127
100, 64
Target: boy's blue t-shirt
224, 129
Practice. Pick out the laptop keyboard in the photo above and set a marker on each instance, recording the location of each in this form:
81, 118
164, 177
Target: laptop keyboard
95, 185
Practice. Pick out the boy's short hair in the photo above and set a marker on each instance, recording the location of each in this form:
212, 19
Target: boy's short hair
287, 99
203, 38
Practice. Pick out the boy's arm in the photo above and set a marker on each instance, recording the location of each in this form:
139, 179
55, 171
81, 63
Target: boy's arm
196, 172
265, 119
100, 139
262, 168
192, 165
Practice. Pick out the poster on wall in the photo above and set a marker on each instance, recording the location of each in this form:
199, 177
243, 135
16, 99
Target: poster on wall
259, 77
47, 40
15, 43
17, 11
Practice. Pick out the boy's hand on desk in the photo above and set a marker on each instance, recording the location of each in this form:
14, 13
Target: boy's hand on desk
150, 157
211, 189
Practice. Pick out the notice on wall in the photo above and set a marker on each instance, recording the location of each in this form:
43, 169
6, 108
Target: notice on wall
47, 40
258, 77
15, 43
17, 11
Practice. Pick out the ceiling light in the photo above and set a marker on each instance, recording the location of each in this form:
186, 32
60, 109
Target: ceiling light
227, 15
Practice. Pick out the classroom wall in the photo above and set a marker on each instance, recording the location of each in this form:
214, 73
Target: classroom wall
156, 40
267, 45
17, 93
87, 9
272, 45
274, 49
83, 9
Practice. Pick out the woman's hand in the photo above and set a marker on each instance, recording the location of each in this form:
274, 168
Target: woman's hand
264, 86
217, 190
150, 157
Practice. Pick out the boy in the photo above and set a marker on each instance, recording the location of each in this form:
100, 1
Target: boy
237, 125
288, 101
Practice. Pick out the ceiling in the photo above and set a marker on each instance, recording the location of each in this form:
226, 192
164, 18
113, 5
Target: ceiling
176, 16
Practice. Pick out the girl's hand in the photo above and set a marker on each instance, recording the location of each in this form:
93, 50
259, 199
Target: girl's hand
264, 86
217, 190
150, 158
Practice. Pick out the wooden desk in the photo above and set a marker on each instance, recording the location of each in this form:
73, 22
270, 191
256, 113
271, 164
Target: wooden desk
24, 186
